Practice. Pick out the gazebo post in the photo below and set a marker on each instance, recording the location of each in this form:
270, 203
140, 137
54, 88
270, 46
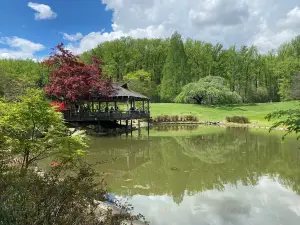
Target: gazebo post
143, 106
99, 125
148, 118
139, 127
126, 127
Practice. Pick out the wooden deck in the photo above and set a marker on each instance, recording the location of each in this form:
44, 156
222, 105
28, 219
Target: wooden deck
89, 116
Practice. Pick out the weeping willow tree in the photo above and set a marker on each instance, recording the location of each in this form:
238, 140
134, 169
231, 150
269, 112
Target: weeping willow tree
208, 91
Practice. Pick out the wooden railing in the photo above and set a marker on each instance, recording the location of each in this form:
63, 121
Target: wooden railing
111, 115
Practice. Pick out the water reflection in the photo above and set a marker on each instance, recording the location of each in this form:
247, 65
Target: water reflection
175, 127
267, 203
233, 176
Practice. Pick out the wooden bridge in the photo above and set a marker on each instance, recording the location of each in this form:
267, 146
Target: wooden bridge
107, 109
90, 116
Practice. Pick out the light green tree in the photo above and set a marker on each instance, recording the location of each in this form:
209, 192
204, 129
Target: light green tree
209, 90
33, 130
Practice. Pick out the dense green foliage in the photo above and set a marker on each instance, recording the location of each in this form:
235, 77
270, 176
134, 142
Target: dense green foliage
48, 199
17, 75
33, 131
254, 76
208, 91
295, 86
176, 70
141, 82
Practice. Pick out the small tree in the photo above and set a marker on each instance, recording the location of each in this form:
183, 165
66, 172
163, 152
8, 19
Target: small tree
208, 90
33, 130
288, 118
74, 81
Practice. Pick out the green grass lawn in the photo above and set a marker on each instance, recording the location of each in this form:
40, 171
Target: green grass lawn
254, 112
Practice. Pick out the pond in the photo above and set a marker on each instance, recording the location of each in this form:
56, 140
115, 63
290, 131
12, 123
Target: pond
204, 175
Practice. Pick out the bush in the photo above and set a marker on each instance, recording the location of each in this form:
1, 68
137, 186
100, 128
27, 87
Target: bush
50, 199
237, 119
184, 118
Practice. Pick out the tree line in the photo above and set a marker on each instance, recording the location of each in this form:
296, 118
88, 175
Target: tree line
173, 63
161, 68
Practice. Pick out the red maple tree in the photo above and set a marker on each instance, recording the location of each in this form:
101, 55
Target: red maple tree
73, 81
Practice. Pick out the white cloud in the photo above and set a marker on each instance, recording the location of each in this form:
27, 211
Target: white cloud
266, 24
94, 38
292, 19
268, 40
267, 202
230, 13
72, 37
43, 12
19, 48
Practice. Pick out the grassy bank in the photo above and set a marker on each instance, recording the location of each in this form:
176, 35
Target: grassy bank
254, 112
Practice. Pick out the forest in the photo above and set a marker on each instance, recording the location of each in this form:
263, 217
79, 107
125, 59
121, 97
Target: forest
181, 70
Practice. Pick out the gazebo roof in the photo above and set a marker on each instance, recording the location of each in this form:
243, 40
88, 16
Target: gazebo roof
121, 91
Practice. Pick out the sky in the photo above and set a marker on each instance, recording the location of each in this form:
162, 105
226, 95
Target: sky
29, 29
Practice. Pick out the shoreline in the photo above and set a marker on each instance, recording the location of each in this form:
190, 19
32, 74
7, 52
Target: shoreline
204, 123
220, 124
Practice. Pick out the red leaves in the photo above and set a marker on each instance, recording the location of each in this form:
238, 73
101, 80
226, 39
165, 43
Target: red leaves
59, 106
55, 164
71, 80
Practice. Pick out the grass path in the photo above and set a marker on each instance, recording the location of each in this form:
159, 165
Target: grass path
254, 112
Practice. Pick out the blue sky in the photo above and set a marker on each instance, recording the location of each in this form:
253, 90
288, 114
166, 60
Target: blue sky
28, 29
17, 19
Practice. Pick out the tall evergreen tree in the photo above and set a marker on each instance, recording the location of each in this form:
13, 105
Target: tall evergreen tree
176, 72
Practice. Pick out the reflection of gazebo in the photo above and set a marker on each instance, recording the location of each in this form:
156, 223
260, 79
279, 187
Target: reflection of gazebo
98, 109
129, 154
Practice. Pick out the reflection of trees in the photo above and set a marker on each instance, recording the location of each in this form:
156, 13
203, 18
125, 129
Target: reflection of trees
198, 163
176, 127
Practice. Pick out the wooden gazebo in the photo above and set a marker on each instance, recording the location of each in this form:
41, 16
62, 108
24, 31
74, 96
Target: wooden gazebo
108, 108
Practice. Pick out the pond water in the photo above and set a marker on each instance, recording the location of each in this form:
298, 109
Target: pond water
204, 175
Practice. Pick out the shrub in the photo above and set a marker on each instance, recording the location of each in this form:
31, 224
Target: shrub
174, 118
50, 199
184, 118
190, 118
237, 119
